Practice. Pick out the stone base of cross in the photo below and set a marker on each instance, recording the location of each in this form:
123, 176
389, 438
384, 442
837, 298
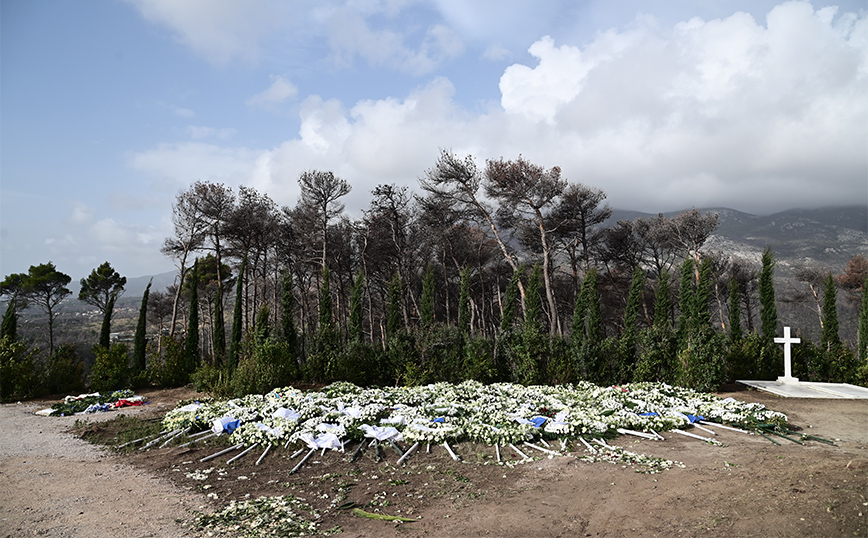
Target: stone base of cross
788, 341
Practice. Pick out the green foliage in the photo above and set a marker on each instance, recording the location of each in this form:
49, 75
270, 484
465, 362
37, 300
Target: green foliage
358, 364
479, 360
686, 302
237, 321
658, 346
111, 370
101, 285
64, 372
560, 362
662, 303
629, 336
169, 370
509, 301
702, 297
769, 359
106, 329
401, 362
140, 341
271, 364
9, 326
440, 349
768, 308
743, 356
19, 376
829, 339
464, 302
702, 364
426, 308
214, 380
263, 325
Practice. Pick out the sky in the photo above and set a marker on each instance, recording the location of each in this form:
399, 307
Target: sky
110, 108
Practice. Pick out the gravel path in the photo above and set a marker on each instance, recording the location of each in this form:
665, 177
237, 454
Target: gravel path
53, 484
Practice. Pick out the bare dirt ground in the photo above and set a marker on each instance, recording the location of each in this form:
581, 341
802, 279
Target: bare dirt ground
54, 484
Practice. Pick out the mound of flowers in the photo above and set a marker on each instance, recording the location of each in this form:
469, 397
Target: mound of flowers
496, 414
92, 403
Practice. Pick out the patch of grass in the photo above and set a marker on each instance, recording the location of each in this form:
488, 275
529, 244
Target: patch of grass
117, 431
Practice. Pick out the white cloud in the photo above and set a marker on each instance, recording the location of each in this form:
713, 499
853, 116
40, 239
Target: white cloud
720, 112
184, 112
350, 35
279, 91
198, 132
222, 32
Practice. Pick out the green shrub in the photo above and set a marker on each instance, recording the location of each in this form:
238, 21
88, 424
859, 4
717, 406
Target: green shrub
357, 364
214, 380
701, 364
560, 362
440, 354
111, 369
479, 360
169, 369
271, 365
658, 345
64, 372
19, 376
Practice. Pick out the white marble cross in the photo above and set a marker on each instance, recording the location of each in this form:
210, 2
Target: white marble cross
787, 341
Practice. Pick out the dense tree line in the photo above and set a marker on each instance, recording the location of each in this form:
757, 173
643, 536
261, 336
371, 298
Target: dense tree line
505, 272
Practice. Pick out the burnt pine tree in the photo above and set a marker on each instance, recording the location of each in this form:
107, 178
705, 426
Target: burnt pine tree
735, 332
464, 302
290, 336
237, 320
426, 308
356, 328
191, 347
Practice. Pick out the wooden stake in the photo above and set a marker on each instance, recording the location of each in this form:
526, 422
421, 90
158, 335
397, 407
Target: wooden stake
497, 451
225, 451
248, 449
522, 454
304, 459
267, 448
688, 434
449, 449
407, 454
541, 449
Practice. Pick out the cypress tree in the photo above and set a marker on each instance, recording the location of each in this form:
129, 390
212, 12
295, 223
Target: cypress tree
191, 348
426, 309
263, 324
140, 343
510, 300
686, 302
219, 328
237, 320
596, 330
287, 323
768, 310
662, 304
9, 327
106, 329
580, 314
863, 324
464, 302
356, 330
735, 332
629, 337
829, 339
